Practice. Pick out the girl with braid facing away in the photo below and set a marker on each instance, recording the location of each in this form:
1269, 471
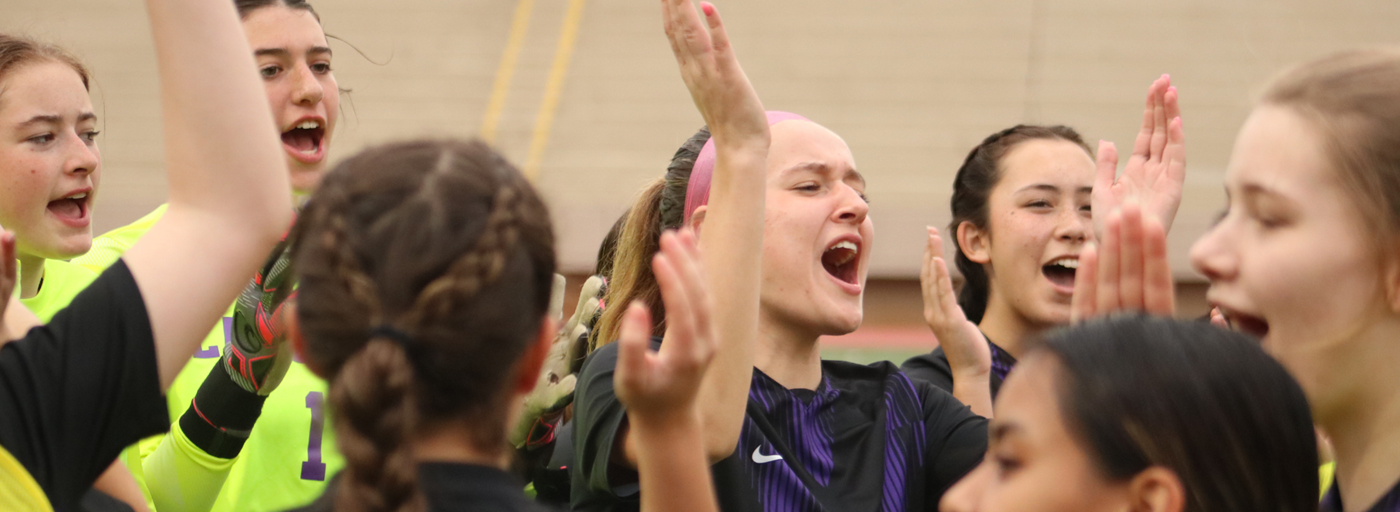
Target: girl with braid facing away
425, 276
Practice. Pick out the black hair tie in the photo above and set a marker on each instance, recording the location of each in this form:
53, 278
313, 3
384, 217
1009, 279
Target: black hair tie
393, 333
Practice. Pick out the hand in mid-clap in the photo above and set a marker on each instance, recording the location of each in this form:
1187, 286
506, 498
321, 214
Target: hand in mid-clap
1128, 272
969, 356
711, 72
662, 384
1156, 170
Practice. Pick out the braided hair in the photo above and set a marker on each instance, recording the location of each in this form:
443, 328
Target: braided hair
425, 271
979, 174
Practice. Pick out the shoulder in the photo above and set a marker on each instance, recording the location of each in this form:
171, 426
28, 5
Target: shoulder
932, 368
62, 282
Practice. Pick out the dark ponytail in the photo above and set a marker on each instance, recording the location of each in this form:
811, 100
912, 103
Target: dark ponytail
1206, 403
425, 271
979, 174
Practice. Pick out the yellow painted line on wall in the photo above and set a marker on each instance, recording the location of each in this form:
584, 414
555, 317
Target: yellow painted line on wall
506, 71
568, 35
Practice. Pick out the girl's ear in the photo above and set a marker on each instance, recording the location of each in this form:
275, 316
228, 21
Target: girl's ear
1157, 489
975, 242
697, 218
1392, 280
295, 339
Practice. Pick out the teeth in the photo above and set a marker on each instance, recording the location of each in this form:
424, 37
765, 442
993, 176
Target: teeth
77, 196
1066, 263
309, 152
309, 125
844, 245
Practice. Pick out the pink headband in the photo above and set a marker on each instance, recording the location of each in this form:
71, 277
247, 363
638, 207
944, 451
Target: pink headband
697, 191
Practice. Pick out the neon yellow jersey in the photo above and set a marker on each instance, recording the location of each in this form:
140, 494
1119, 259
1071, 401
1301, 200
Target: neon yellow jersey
62, 282
113, 244
291, 453
18, 490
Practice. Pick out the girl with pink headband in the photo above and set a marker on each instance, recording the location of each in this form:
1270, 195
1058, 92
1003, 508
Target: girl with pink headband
783, 429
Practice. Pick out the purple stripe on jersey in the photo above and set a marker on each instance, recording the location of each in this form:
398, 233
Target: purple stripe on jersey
904, 438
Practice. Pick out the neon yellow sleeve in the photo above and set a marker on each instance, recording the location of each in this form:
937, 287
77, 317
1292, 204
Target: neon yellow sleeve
180, 476
107, 248
18, 490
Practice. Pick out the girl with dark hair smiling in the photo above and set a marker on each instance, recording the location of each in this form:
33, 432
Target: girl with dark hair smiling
1026, 202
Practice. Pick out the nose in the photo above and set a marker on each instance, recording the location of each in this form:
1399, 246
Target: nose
83, 158
965, 495
1073, 227
306, 89
1213, 256
853, 208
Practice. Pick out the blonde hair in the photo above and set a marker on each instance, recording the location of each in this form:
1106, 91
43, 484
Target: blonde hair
1353, 100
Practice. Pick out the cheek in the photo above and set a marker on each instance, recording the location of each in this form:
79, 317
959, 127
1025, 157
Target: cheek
1019, 237
24, 186
1286, 276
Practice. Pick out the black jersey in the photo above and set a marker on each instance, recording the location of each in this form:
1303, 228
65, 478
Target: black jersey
450, 487
868, 438
74, 392
1332, 501
933, 368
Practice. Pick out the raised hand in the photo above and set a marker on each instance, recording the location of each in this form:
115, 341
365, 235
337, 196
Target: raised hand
1157, 167
1128, 272
969, 356
554, 387
662, 385
717, 84
256, 355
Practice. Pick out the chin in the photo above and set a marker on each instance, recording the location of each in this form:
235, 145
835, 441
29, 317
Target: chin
305, 179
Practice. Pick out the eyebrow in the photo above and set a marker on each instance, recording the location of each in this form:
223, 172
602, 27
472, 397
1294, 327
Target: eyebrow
1051, 188
821, 167
282, 52
53, 119
1001, 430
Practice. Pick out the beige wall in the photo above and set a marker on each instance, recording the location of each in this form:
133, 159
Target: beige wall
911, 86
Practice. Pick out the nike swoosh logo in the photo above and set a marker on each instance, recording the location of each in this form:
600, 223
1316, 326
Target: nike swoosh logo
762, 459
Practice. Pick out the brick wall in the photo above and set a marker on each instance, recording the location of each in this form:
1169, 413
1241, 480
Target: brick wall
910, 85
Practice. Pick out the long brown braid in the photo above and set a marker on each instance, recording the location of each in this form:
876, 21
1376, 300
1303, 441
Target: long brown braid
425, 271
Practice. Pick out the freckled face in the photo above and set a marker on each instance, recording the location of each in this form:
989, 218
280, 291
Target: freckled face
1039, 221
49, 162
294, 60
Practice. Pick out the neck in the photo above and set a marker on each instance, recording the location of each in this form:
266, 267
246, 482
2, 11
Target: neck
1362, 429
1007, 328
452, 443
31, 275
789, 355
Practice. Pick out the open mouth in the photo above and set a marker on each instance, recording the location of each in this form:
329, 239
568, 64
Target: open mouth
72, 208
1061, 271
840, 260
304, 140
1245, 323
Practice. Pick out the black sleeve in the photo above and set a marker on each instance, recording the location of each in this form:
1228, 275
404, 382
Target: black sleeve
598, 416
75, 392
932, 368
957, 441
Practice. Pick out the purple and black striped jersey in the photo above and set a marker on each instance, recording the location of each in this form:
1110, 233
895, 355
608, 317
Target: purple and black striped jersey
868, 438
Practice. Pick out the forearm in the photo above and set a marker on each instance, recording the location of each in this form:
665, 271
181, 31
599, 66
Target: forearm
732, 238
118, 483
974, 389
220, 142
18, 320
229, 197
672, 466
